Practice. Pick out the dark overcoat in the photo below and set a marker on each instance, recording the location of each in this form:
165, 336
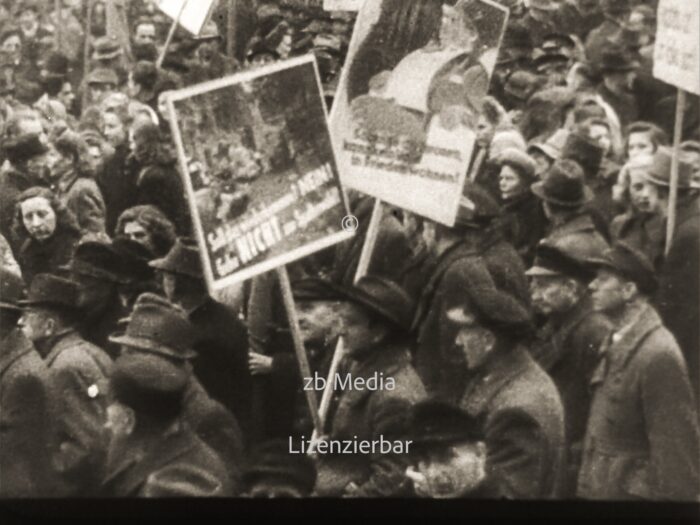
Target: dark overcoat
642, 438
568, 349
523, 427
367, 415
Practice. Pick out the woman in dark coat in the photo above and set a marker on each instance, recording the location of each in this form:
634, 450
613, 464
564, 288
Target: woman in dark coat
524, 221
46, 232
158, 181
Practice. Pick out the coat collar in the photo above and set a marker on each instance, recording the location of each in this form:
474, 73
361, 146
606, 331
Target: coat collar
554, 348
625, 342
127, 475
18, 346
65, 340
580, 223
493, 378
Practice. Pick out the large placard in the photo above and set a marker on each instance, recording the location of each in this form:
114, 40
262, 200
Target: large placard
259, 168
677, 46
405, 112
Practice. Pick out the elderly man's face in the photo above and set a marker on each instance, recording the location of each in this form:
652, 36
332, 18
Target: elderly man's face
37, 324
553, 294
449, 472
318, 321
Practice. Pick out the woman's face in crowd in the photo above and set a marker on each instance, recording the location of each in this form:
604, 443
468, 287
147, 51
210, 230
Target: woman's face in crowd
285, 47
509, 182
137, 233
484, 132
542, 161
66, 96
113, 129
12, 45
639, 144
39, 218
601, 134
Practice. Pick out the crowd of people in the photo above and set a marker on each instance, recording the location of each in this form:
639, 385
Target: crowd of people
546, 346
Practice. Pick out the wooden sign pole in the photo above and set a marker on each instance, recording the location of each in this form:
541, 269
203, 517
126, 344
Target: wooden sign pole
171, 34
673, 194
299, 349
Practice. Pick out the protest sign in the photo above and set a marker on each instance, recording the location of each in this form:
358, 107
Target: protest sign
405, 112
259, 169
342, 5
190, 14
677, 47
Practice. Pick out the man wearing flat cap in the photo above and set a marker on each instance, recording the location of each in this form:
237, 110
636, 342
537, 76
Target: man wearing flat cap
82, 369
448, 454
375, 329
678, 295
642, 436
153, 453
159, 328
221, 364
473, 251
568, 345
516, 401
564, 194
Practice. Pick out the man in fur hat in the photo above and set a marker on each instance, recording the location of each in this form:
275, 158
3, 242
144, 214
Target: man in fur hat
472, 253
516, 401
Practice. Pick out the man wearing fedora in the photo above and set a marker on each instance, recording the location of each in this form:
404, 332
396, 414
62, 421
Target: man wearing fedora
49, 320
564, 194
153, 453
619, 72
642, 436
23, 415
521, 415
568, 345
375, 329
678, 296
160, 328
108, 54
97, 270
470, 253
220, 339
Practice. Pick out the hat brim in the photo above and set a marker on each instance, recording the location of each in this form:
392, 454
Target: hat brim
538, 190
106, 56
357, 297
163, 266
28, 303
539, 271
151, 346
10, 306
